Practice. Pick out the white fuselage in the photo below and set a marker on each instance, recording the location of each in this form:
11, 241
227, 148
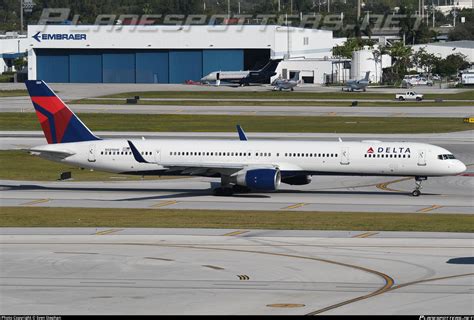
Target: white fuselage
225, 75
290, 157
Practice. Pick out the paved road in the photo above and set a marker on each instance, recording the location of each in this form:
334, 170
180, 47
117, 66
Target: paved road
17, 104
88, 90
115, 271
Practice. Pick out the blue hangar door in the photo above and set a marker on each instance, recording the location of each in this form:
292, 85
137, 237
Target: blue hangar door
118, 66
185, 65
52, 65
152, 66
222, 60
85, 66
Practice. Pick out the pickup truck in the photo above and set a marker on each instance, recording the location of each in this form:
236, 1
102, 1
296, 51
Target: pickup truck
409, 95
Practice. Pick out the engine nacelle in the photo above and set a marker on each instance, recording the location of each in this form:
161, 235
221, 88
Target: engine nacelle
259, 179
297, 180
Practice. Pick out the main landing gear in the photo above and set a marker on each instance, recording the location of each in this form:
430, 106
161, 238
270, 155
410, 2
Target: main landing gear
418, 187
227, 189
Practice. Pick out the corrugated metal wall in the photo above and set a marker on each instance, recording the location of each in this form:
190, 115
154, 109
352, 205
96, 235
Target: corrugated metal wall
185, 65
222, 60
52, 65
152, 66
118, 67
85, 67
134, 66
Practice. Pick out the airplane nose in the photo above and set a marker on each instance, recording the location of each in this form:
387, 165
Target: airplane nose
461, 167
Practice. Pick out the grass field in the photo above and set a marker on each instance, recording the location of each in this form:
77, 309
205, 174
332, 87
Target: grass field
20, 165
166, 218
226, 123
13, 93
278, 103
237, 94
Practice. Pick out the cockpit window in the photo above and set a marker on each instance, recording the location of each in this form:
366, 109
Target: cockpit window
446, 156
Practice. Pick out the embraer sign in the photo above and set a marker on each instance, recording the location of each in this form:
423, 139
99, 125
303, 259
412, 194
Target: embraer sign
59, 36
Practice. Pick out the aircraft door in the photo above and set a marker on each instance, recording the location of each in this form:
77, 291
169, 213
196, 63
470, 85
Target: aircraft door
91, 156
421, 157
345, 160
157, 156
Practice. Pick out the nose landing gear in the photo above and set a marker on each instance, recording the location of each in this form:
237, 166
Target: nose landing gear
418, 187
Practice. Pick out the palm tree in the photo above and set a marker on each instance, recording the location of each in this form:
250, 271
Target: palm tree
401, 55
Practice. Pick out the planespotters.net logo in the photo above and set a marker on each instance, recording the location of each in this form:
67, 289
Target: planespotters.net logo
446, 318
59, 36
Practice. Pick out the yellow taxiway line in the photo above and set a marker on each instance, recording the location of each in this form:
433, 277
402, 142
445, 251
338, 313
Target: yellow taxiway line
108, 231
294, 206
35, 202
433, 207
164, 203
235, 233
365, 235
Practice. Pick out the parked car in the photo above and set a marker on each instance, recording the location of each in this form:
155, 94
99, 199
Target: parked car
409, 95
416, 80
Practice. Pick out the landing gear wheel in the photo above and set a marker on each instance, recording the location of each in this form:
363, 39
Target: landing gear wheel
418, 187
241, 189
223, 192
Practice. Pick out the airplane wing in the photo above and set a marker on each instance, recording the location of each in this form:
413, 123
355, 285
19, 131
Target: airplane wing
50, 154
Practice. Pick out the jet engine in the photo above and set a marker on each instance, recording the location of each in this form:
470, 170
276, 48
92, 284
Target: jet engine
297, 180
258, 179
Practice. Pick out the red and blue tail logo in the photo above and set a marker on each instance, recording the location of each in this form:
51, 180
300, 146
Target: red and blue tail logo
59, 123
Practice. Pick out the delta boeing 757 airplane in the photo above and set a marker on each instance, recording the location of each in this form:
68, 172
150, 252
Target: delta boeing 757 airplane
242, 165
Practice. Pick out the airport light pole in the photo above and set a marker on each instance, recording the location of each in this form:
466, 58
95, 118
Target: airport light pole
21, 16
358, 10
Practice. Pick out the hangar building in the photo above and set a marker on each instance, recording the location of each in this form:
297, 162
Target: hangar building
163, 54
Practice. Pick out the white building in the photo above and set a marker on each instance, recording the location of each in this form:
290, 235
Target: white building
164, 54
444, 49
12, 46
365, 60
455, 4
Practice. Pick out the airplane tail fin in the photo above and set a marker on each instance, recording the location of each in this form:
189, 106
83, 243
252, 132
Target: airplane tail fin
367, 74
296, 76
270, 67
59, 123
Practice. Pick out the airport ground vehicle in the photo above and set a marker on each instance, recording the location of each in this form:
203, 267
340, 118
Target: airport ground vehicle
242, 165
409, 95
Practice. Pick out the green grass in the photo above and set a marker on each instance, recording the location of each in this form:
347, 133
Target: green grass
278, 103
166, 218
226, 123
20, 165
238, 94
13, 93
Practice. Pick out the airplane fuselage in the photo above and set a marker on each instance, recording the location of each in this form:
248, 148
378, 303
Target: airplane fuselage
291, 158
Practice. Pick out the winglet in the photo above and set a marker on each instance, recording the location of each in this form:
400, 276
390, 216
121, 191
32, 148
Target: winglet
136, 154
242, 136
